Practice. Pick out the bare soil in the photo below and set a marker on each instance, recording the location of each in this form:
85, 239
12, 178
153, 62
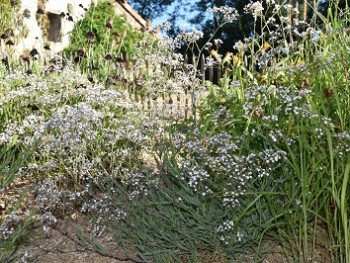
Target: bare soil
61, 244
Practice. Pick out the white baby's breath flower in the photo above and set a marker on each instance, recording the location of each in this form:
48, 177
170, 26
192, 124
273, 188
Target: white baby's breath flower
240, 46
255, 9
164, 26
227, 13
190, 37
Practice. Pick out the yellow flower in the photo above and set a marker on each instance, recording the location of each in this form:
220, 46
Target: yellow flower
265, 46
215, 54
227, 57
299, 61
237, 60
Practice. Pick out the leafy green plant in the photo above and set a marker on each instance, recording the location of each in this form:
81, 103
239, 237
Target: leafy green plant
8, 10
288, 107
264, 160
9, 246
11, 160
100, 39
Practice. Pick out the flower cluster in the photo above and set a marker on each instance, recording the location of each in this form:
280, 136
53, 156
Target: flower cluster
225, 230
227, 13
10, 222
190, 37
217, 160
255, 8
195, 177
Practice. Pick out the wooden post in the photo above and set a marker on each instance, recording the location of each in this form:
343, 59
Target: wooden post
211, 73
305, 10
186, 64
202, 68
218, 74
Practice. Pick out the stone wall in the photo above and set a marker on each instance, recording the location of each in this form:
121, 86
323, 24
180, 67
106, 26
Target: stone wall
48, 24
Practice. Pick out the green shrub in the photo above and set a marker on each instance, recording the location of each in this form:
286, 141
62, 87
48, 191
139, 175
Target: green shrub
100, 38
7, 15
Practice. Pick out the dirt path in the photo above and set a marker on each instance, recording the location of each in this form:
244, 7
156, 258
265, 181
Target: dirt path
61, 244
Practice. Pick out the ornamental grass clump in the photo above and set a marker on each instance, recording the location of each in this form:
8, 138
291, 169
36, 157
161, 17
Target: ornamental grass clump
84, 134
268, 155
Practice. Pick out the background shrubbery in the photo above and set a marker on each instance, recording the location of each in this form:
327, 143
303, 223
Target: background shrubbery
101, 39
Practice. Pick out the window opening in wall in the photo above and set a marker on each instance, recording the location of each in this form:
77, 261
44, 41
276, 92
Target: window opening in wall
55, 28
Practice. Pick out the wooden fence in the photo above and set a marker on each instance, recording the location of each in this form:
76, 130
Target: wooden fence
180, 105
208, 71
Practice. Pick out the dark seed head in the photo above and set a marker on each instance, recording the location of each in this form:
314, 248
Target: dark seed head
120, 60
14, 2
5, 60
108, 57
328, 93
109, 25
62, 15
4, 36
70, 18
33, 107
10, 42
34, 52
26, 59
77, 60
40, 11
47, 47
26, 13
90, 35
81, 52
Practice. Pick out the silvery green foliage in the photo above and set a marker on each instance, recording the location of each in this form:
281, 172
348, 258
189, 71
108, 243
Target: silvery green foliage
10, 222
220, 162
86, 133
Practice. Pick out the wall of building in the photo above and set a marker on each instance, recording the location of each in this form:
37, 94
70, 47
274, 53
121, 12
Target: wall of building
132, 17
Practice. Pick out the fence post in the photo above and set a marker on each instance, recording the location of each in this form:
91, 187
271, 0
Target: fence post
202, 68
218, 74
186, 64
